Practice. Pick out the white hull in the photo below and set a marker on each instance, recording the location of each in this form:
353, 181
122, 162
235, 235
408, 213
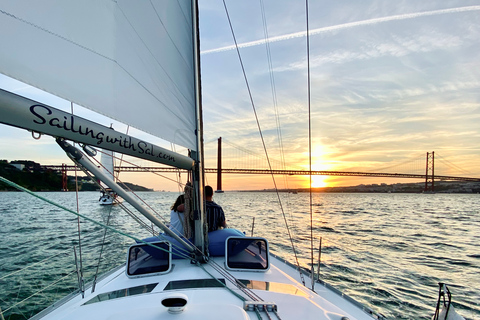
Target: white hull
105, 200
279, 285
109, 199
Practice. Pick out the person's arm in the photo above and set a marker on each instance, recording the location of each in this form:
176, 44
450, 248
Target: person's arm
223, 222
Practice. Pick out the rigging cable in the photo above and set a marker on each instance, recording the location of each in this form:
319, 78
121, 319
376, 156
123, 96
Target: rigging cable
261, 137
309, 141
121, 158
101, 251
273, 87
81, 282
275, 107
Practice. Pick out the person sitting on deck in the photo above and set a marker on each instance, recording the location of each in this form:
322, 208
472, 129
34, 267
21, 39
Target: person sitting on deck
214, 213
177, 216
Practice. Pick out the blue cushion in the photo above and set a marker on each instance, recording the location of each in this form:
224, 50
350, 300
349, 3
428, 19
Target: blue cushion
216, 245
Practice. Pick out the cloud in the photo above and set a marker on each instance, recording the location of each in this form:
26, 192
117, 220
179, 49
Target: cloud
345, 26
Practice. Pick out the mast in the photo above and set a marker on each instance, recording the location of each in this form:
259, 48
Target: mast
198, 170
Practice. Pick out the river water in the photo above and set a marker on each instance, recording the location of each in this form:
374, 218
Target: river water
387, 251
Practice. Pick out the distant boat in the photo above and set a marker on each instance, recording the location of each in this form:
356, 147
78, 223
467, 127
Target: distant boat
108, 197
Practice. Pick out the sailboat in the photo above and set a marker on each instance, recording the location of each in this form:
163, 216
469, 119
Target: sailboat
138, 63
107, 195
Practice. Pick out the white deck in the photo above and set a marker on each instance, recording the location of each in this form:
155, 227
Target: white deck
293, 300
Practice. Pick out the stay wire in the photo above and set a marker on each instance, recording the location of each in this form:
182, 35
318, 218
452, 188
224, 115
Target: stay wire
261, 136
121, 157
78, 220
309, 137
275, 104
273, 86
101, 250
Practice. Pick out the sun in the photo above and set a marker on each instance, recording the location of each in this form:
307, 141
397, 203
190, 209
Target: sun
319, 162
319, 181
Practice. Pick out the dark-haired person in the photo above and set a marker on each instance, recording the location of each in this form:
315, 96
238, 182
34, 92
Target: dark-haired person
177, 216
213, 212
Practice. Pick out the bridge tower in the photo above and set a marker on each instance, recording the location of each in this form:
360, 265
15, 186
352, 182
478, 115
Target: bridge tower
64, 177
219, 167
430, 172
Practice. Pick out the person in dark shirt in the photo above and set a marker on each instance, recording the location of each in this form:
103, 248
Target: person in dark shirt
213, 212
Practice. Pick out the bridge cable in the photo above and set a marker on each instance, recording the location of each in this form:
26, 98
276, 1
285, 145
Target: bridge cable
450, 164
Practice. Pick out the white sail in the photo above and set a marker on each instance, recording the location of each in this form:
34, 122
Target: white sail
97, 54
106, 159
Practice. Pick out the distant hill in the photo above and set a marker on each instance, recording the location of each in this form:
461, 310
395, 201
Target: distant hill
416, 187
31, 176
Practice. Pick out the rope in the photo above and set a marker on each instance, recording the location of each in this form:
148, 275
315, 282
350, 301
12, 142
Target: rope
188, 212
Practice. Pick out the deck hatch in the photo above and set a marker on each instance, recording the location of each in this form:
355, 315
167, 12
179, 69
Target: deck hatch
195, 284
246, 254
149, 259
122, 293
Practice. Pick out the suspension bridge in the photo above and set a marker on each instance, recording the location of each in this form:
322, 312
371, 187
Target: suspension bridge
237, 160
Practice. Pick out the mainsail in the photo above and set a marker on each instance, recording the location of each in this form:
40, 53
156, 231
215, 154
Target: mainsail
97, 54
135, 62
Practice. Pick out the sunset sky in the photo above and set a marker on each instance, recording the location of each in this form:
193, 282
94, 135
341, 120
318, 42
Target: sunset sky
390, 81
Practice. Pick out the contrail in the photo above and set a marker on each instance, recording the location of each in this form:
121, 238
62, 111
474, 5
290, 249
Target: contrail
346, 26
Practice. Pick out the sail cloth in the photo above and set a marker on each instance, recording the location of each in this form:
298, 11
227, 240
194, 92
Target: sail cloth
132, 61
107, 161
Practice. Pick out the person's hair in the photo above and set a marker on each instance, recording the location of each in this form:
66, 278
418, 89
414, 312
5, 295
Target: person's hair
180, 200
208, 191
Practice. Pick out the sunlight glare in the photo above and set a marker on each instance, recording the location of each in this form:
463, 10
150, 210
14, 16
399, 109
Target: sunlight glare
319, 181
